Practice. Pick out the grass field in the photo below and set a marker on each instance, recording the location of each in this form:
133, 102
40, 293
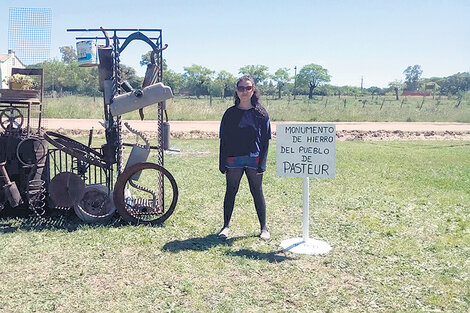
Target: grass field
332, 109
397, 216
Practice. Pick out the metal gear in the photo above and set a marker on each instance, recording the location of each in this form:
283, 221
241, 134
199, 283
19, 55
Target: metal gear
11, 119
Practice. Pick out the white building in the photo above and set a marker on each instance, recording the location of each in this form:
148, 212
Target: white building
7, 62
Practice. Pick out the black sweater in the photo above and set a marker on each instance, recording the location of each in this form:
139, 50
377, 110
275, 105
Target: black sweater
244, 132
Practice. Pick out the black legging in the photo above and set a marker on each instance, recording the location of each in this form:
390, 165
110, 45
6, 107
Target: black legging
255, 180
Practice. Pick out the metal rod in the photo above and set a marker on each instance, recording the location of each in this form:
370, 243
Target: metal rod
29, 119
126, 144
114, 29
104, 38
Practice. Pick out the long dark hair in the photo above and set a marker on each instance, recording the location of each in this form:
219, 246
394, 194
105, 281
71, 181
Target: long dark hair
254, 98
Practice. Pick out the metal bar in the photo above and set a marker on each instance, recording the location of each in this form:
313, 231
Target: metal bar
60, 160
94, 175
103, 38
89, 174
39, 118
29, 119
55, 162
114, 29
52, 158
127, 144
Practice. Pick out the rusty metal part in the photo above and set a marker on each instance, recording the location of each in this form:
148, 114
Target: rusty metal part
34, 144
139, 153
76, 149
10, 190
96, 204
4, 173
66, 189
11, 119
12, 194
36, 194
140, 134
144, 211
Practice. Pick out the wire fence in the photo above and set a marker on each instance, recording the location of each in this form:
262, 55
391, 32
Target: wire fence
29, 34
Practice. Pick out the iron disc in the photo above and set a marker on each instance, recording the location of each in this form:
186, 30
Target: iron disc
66, 189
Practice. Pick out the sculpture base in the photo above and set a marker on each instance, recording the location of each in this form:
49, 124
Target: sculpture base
310, 246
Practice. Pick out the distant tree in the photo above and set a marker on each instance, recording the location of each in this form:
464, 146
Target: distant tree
396, 86
198, 79
60, 77
268, 88
325, 90
227, 81
374, 90
129, 74
258, 72
216, 88
312, 75
454, 84
68, 54
145, 59
173, 79
348, 91
54, 74
281, 77
412, 76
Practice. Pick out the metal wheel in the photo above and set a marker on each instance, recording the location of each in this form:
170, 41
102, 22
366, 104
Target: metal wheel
11, 119
76, 149
31, 151
142, 193
96, 204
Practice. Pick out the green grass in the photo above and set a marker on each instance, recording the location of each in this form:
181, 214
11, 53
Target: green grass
397, 216
411, 109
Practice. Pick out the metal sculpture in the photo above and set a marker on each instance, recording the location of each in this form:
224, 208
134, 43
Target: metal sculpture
138, 197
74, 175
23, 151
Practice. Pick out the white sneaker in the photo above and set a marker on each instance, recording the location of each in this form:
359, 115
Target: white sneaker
265, 235
224, 232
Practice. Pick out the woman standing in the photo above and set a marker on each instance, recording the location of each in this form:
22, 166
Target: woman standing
245, 131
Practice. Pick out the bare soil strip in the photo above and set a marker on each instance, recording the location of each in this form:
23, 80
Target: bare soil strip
344, 130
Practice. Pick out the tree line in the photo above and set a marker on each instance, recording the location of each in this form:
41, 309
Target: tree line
67, 76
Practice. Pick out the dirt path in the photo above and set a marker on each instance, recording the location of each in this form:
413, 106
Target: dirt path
345, 130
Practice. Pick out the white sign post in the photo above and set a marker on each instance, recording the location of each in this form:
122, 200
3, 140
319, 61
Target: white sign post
306, 150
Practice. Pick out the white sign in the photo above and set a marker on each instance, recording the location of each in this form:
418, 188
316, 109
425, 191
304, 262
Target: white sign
306, 150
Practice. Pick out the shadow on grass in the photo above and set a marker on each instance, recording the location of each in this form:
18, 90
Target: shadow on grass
271, 257
205, 243
199, 243
24, 220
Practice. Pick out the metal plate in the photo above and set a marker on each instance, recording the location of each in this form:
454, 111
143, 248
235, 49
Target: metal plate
66, 189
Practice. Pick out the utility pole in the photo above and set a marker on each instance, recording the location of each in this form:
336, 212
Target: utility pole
295, 80
362, 80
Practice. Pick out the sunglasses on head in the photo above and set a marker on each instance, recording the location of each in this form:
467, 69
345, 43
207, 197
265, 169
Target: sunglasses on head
243, 88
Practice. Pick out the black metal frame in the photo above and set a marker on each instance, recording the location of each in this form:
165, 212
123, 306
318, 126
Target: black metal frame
113, 123
157, 47
59, 161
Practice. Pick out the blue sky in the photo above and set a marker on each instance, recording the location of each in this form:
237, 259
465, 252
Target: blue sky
373, 39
